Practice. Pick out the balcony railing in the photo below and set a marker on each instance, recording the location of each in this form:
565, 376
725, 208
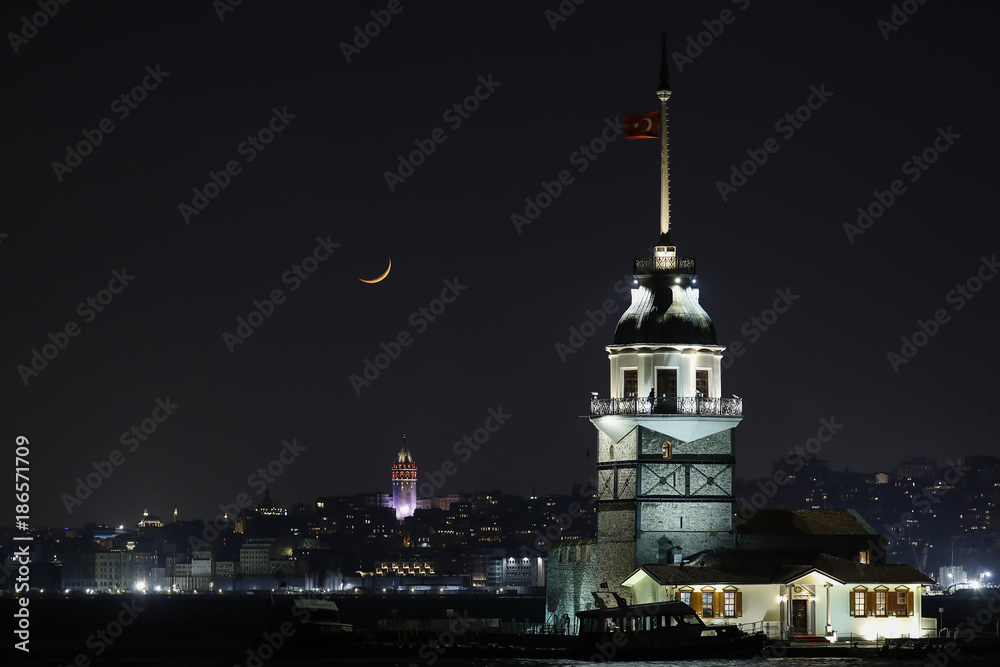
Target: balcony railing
670, 264
681, 405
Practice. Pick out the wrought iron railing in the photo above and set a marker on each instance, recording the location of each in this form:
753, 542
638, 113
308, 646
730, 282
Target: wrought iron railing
680, 405
671, 264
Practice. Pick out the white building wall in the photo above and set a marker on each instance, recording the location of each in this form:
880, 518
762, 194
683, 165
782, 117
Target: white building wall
763, 603
645, 360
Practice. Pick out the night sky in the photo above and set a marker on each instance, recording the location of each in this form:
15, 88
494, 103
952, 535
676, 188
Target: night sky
547, 88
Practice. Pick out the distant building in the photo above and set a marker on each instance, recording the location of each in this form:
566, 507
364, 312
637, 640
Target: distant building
917, 468
404, 483
255, 557
150, 520
110, 571
951, 575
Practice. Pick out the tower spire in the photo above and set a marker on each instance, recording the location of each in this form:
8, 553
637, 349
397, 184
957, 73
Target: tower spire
663, 92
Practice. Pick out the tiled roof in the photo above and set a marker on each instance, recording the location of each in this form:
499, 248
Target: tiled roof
774, 567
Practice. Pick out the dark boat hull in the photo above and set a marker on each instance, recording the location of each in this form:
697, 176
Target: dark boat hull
645, 647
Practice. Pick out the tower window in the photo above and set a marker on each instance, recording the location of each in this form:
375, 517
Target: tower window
668, 450
701, 382
631, 383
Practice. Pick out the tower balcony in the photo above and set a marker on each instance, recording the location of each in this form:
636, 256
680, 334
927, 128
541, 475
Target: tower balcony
663, 263
677, 405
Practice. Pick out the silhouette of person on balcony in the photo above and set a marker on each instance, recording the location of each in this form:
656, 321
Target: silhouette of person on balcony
652, 400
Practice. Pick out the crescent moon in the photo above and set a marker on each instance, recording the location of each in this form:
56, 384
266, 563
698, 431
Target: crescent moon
649, 125
381, 277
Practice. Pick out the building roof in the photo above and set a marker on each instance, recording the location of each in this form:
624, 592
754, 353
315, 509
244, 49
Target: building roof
806, 522
777, 567
663, 311
404, 454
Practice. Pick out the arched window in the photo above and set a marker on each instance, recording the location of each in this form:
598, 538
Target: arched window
668, 450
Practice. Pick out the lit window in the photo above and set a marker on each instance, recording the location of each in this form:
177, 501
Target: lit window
729, 604
668, 450
901, 606
701, 382
858, 607
706, 604
881, 603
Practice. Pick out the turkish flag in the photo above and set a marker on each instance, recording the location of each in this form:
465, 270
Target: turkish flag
642, 126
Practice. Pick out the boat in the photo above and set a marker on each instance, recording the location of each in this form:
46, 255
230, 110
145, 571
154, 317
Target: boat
320, 617
659, 631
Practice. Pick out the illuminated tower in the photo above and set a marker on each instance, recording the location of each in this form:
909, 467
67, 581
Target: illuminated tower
404, 483
665, 454
666, 460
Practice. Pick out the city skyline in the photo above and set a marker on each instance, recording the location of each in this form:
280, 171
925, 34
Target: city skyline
185, 288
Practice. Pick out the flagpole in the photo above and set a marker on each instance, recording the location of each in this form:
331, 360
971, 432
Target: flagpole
663, 92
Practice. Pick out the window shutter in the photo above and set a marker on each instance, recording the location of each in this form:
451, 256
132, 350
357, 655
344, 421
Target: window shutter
696, 602
720, 604
909, 603
870, 603
739, 603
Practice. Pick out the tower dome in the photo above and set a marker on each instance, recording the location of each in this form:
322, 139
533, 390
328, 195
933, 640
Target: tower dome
665, 306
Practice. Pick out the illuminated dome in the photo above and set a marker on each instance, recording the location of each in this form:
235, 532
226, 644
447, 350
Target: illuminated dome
665, 306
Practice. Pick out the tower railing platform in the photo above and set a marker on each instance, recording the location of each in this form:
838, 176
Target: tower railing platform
678, 405
669, 264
